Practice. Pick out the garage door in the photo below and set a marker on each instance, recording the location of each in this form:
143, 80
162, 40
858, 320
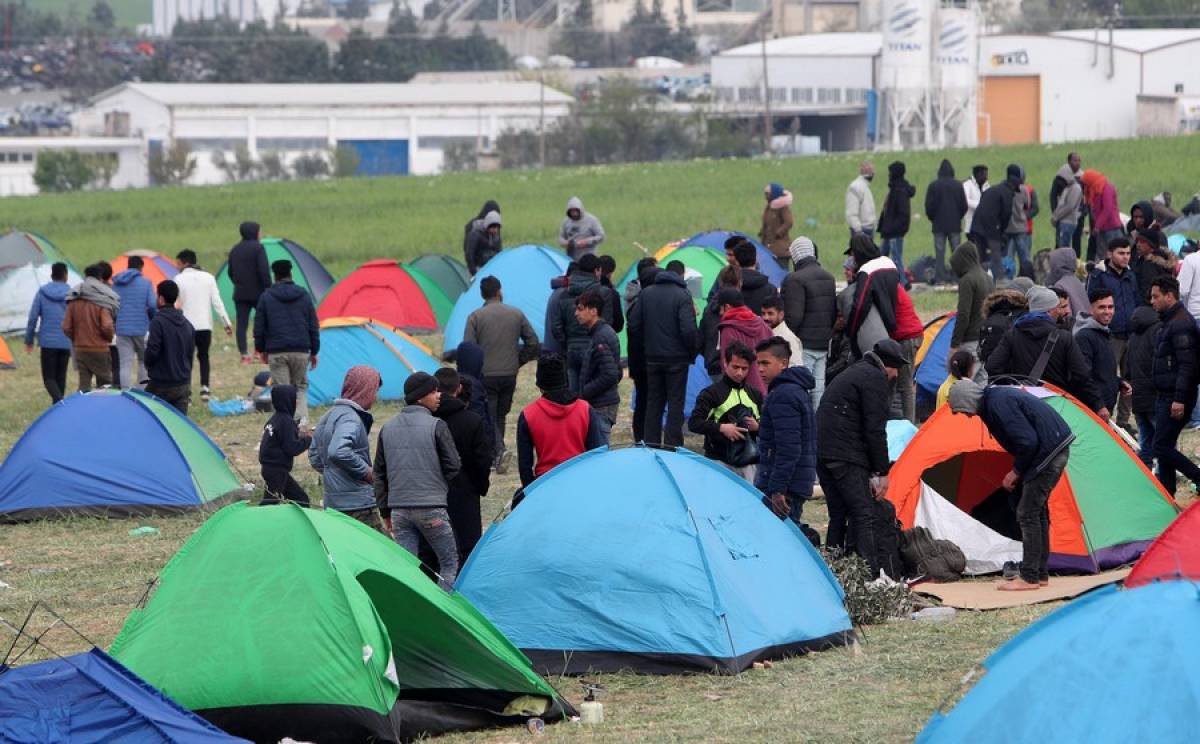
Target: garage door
1012, 107
380, 157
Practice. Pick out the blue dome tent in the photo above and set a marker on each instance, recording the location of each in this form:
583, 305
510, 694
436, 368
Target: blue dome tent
654, 560
715, 239
1114, 665
524, 273
346, 342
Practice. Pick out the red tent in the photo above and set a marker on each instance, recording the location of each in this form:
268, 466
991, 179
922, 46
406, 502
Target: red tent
382, 290
1174, 554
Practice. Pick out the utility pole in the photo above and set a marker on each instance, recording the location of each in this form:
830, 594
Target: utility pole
542, 120
768, 130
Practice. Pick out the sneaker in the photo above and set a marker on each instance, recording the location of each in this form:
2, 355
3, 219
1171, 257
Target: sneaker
502, 462
204, 393
1011, 569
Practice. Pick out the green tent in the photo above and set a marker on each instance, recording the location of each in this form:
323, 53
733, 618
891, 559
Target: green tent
441, 304
307, 271
283, 621
448, 273
703, 261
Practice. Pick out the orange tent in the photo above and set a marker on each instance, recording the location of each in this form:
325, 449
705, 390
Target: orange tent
156, 267
6, 358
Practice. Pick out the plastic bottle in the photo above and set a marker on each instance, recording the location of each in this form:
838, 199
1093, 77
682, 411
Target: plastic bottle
591, 711
935, 614
143, 531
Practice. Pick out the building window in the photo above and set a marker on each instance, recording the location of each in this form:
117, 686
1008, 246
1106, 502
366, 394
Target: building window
856, 95
725, 95
749, 95
439, 143
802, 95
214, 144
292, 144
779, 95
829, 95
12, 157
27, 157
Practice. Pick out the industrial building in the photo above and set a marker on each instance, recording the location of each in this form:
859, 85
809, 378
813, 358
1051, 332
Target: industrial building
395, 128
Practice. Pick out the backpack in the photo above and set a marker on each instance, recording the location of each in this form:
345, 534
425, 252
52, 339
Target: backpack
937, 560
887, 539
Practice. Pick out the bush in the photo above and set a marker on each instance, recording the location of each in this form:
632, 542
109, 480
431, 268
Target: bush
172, 166
459, 157
70, 170
345, 161
867, 603
311, 165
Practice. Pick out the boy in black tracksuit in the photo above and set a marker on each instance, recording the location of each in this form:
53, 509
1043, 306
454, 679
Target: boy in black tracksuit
728, 411
281, 442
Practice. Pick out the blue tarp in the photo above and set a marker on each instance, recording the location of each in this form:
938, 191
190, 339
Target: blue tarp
767, 264
650, 551
931, 373
342, 347
91, 697
1112, 666
524, 273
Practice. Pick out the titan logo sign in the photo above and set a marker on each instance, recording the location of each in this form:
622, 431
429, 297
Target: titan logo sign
1010, 58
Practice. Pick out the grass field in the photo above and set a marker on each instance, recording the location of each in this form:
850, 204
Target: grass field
129, 13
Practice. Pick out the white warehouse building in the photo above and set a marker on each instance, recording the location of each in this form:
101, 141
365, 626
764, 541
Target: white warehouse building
396, 129
1067, 85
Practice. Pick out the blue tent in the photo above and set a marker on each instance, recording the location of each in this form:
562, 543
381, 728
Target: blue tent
1112, 666
654, 560
766, 261
931, 370
346, 342
697, 380
524, 273
899, 433
90, 697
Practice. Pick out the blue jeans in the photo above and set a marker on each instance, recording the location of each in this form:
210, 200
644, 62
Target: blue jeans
893, 248
1166, 450
408, 525
1018, 248
815, 360
1145, 425
1064, 233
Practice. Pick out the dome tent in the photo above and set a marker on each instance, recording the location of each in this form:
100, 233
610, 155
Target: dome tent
307, 271
1174, 554
151, 459
156, 267
6, 356
932, 357
674, 567
346, 342
448, 273
441, 304
715, 239
341, 638
25, 260
384, 290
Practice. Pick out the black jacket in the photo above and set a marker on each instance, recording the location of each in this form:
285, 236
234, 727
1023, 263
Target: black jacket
1139, 355
469, 361
896, 217
248, 267
474, 477
852, 417
286, 321
1158, 263
281, 441
876, 285
787, 436
1175, 349
1025, 426
716, 446
480, 247
601, 371
810, 303
710, 337
993, 213
1094, 341
755, 288
1067, 368
946, 202
169, 348
565, 329
664, 318
614, 300
635, 347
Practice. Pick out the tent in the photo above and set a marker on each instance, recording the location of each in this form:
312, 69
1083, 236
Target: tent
338, 636
7, 361
346, 342
654, 560
307, 271
703, 263
1112, 666
932, 357
113, 453
1173, 554
715, 239
1104, 511
441, 304
524, 273
448, 273
384, 290
25, 260
156, 267
90, 697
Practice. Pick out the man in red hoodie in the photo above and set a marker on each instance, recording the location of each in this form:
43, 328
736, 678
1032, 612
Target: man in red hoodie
557, 426
740, 325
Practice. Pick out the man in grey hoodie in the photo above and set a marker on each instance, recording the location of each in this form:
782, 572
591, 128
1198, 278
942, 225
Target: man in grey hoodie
415, 461
581, 232
1068, 207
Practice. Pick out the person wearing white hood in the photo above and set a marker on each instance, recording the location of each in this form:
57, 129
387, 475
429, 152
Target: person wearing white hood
581, 232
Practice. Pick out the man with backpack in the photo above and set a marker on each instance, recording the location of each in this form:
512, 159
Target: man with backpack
726, 413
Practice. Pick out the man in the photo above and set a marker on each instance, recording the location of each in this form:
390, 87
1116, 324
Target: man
1094, 339
1024, 209
1118, 277
860, 204
251, 276
664, 318
775, 230
787, 435
169, 350
726, 413
1066, 200
739, 325
559, 287
1101, 198
287, 335
756, 288
973, 288
1176, 375
199, 298
555, 427
1189, 283
1036, 349
647, 270
601, 373
90, 322
133, 323
973, 189
774, 317
1039, 441
1062, 315
612, 299
634, 287
580, 232
990, 223
341, 449
1151, 260
415, 461
474, 448
945, 206
46, 316
896, 217
810, 309
508, 342
729, 277
569, 335
852, 449
1063, 266
483, 242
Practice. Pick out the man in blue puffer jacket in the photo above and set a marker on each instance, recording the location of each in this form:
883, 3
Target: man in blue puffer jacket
138, 305
46, 320
287, 335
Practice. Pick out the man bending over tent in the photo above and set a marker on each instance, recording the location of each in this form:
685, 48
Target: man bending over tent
1039, 441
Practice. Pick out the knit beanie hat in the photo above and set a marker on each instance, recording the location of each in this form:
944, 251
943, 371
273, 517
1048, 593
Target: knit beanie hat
965, 395
774, 191
551, 372
1041, 300
1023, 283
418, 385
802, 248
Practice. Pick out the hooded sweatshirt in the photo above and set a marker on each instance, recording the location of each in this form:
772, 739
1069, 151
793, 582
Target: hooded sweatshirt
1023, 203
739, 324
945, 202
1070, 198
469, 361
50, 308
994, 212
1147, 211
587, 228
285, 321
281, 441
1102, 200
480, 245
896, 218
248, 267
1062, 275
138, 303
973, 288
1094, 340
170, 348
553, 429
787, 436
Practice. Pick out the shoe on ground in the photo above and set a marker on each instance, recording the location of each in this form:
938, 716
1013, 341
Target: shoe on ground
502, 462
1011, 569
205, 394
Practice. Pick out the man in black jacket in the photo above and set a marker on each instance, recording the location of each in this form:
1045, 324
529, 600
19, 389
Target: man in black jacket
727, 412
945, 206
601, 373
475, 455
990, 223
755, 285
1143, 335
852, 447
287, 335
572, 337
251, 275
810, 308
1175, 377
169, 350
635, 347
612, 299
896, 217
281, 442
664, 318
1095, 341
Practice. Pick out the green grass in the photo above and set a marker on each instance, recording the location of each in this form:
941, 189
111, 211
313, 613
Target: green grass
128, 13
